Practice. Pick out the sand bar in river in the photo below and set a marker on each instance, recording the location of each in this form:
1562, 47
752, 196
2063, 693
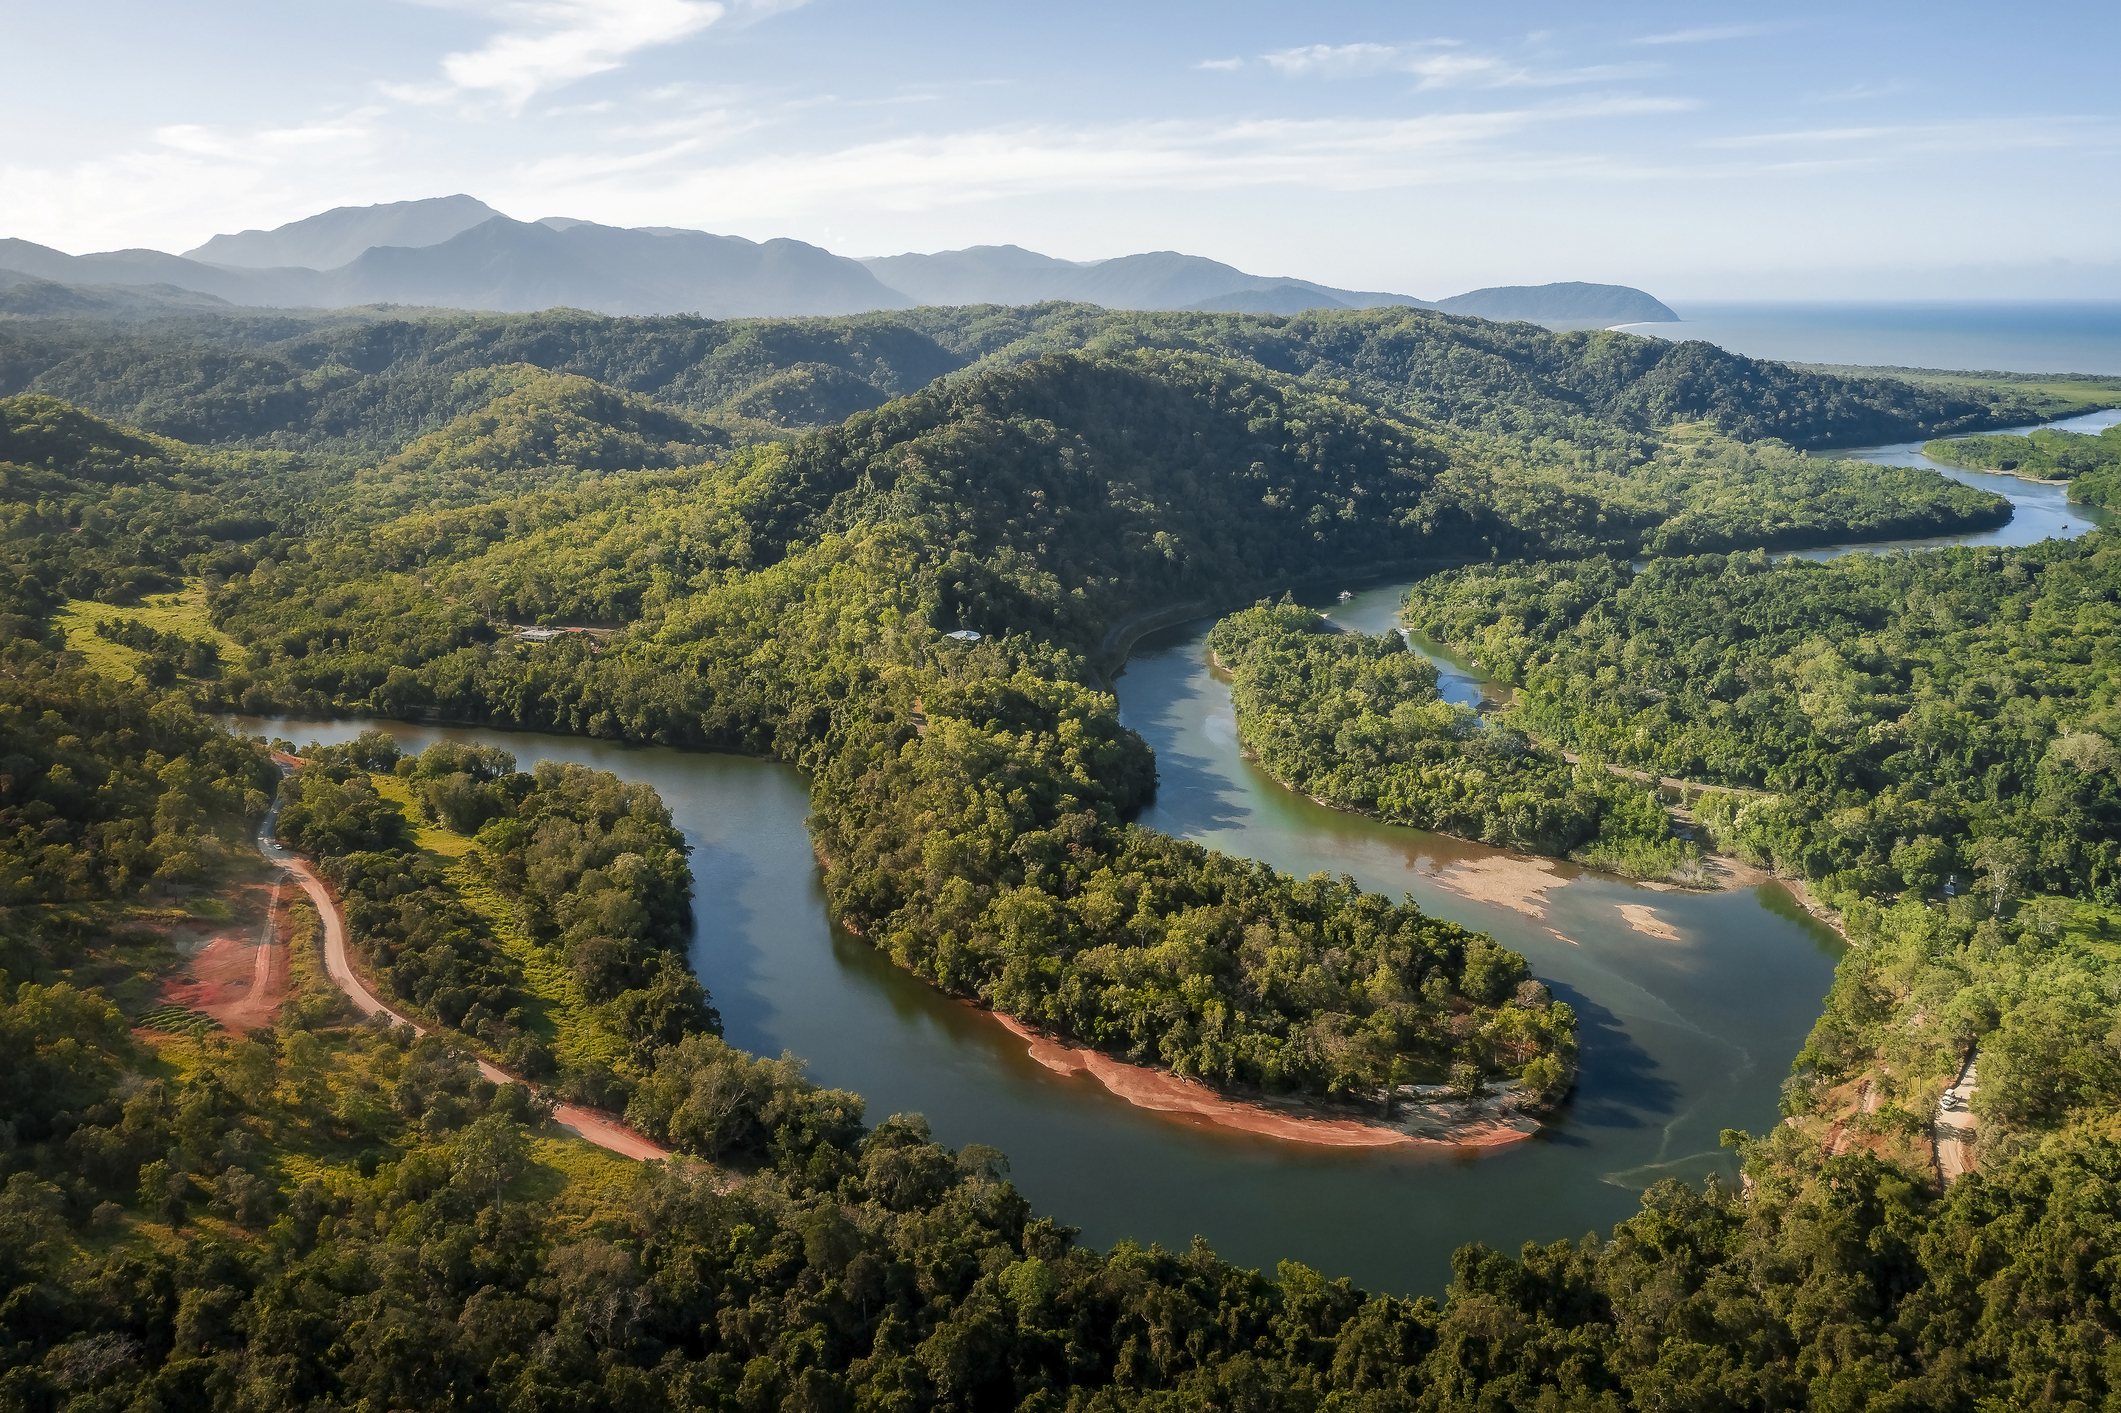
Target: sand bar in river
1645, 921
1510, 880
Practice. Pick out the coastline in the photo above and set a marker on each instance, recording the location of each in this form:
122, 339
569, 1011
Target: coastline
1494, 1123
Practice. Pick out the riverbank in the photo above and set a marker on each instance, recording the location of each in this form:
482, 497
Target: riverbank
1420, 1120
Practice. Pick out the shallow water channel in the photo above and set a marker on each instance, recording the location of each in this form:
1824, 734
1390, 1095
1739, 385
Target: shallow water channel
2040, 510
1680, 1039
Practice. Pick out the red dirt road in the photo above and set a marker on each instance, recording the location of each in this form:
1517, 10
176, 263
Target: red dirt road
585, 1124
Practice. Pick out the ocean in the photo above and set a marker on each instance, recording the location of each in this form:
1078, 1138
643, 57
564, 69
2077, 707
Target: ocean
2077, 336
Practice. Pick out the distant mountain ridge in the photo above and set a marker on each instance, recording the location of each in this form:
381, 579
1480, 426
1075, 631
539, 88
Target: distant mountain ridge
332, 238
458, 252
1160, 279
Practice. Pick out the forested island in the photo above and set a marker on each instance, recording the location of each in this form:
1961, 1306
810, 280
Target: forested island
1356, 720
773, 525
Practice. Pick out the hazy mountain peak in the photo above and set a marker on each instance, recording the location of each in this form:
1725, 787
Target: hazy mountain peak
1568, 301
456, 251
331, 238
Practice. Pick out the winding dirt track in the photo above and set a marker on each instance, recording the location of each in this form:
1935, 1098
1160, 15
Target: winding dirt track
1955, 1129
585, 1124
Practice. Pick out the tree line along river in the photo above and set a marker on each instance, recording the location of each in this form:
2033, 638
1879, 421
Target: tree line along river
1681, 1036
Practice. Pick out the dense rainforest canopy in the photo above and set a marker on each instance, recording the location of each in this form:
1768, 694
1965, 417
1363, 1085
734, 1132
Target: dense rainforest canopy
356, 516
373, 384
1356, 720
1918, 719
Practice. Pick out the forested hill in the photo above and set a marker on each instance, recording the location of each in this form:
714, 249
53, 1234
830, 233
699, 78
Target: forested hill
371, 383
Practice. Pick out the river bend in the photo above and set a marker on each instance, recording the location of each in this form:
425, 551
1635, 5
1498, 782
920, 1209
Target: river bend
1680, 1038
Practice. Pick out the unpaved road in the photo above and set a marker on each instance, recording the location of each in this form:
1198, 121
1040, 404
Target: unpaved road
1954, 1131
268, 944
586, 1124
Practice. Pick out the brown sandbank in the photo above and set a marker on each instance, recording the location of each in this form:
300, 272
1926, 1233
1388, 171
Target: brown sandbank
1509, 880
1645, 921
1164, 1092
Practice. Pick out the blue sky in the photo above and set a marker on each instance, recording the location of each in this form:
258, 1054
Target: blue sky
1880, 150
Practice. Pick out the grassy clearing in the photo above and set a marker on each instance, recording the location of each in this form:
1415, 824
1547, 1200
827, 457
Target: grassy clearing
431, 838
2087, 925
578, 1180
2053, 396
554, 1009
1689, 433
182, 613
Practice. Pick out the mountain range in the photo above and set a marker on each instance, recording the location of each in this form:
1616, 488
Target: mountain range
458, 252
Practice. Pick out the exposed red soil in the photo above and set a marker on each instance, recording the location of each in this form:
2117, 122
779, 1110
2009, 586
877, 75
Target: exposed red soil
1163, 1092
239, 977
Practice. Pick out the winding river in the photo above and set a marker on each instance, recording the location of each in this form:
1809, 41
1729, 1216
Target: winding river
1680, 1037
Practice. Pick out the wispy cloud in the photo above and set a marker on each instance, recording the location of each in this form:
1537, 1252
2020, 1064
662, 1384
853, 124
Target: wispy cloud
268, 145
1706, 34
1794, 136
1436, 63
1220, 64
1879, 141
547, 44
221, 178
914, 174
1337, 60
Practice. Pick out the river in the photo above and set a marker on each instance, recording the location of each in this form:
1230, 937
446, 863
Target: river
1680, 1039
2040, 510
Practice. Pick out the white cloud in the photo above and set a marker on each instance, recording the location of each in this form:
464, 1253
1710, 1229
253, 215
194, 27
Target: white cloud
1706, 34
267, 145
200, 179
2082, 133
1220, 64
546, 44
1336, 60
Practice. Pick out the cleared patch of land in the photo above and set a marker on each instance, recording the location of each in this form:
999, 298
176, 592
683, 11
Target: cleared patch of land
182, 613
554, 1008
